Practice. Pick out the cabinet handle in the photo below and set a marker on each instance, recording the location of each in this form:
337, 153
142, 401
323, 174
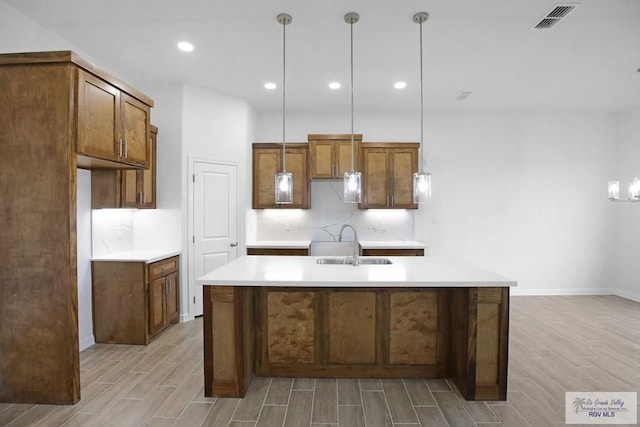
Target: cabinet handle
233, 245
120, 147
126, 149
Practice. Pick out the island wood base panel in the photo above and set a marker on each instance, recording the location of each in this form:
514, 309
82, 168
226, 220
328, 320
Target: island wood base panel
457, 333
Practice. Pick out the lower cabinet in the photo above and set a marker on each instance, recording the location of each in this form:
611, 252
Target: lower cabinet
391, 252
278, 251
134, 301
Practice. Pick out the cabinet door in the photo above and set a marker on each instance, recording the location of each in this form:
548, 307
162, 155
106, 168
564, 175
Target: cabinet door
129, 188
321, 159
148, 176
135, 131
343, 157
297, 165
157, 310
375, 178
266, 163
98, 118
173, 298
403, 163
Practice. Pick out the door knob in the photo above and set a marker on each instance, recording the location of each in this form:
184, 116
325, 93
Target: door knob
233, 245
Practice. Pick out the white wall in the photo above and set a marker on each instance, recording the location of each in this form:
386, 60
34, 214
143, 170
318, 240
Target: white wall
519, 194
216, 128
627, 253
20, 33
83, 225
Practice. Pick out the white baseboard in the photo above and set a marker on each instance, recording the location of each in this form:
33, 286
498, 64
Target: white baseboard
628, 295
87, 342
548, 292
185, 317
515, 292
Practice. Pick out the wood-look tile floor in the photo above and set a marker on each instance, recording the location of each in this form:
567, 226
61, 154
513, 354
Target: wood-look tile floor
557, 344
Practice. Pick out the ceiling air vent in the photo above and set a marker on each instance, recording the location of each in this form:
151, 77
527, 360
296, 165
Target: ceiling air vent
554, 16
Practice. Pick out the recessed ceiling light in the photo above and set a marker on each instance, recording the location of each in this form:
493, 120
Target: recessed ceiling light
400, 85
334, 85
185, 46
270, 86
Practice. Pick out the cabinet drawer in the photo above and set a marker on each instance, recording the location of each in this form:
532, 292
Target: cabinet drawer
162, 268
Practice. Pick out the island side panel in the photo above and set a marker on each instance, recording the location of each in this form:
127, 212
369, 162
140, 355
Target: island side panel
492, 344
479, 342
228, 340
462, 366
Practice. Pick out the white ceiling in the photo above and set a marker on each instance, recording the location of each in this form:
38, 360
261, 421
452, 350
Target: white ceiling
587, 62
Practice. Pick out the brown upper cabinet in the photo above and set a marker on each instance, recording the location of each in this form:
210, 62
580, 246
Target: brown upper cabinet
138, 187
112, 125
387, 175
330, 155
129, 188
267, 161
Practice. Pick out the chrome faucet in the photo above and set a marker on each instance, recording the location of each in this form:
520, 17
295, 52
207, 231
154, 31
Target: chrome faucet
356, 249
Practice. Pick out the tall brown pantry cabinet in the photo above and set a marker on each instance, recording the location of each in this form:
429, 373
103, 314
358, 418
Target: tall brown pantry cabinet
41, 124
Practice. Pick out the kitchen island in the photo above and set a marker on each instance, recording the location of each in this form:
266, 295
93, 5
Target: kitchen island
417, 317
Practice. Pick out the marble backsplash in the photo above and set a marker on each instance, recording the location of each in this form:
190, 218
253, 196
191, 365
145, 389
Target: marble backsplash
328, 213
118, 230
111, 231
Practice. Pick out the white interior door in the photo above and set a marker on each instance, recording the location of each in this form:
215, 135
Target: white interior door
215, 218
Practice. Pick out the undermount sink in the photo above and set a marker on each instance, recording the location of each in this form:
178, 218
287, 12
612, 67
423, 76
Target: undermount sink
349, 260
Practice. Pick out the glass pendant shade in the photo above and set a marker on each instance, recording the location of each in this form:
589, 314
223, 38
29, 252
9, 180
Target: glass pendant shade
421, 187
352, 187
614, 190
284, 188
634, 190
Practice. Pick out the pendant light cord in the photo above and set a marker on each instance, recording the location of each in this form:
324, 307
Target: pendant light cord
352, 149
284, 71
421, 105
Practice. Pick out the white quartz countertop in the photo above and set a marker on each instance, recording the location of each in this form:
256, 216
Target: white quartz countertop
391, 244
303, 271
280, 244
146, 256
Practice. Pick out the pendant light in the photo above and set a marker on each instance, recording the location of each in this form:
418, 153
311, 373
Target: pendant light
352, 179
284, 179
421, 180
633, 194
